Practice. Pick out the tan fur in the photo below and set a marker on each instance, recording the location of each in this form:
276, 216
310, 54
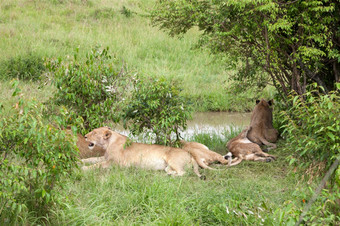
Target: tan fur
243, 149
85, 151
261, 123
147, 156
201, 153
83, 147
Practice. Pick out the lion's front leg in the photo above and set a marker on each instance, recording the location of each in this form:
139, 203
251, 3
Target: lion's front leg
104, 164
93, 160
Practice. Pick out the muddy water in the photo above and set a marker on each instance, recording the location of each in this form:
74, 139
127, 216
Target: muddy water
208, 122
216, 122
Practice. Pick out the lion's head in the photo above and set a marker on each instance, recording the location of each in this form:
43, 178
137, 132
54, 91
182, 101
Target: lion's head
99, 137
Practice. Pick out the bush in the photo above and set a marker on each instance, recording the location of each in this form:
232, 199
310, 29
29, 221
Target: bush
91, 88
25, 67
157, 109
34, 156
311, 125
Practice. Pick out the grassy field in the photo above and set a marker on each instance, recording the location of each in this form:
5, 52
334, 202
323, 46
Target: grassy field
251, 193
55, 28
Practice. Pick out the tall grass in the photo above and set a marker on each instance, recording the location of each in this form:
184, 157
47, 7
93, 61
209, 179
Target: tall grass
56, 28
216, 141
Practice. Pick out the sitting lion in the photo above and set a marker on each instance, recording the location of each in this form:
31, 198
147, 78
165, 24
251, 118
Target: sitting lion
149, 156
201, 153
261, 122
243, 149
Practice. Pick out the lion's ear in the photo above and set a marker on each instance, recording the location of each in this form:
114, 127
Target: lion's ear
107, 134
257, 101
271, 102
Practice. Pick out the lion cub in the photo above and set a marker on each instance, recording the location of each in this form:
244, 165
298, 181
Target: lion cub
148, 156
203, 156
243, 149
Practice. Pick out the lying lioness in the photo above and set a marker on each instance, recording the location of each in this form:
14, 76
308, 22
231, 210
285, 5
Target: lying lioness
85, 151
148, 156
203, 156
243, 149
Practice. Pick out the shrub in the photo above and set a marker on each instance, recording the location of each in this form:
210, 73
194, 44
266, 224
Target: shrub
34, 156
311, 125
126, 12
157, 109
26, 67
91, 88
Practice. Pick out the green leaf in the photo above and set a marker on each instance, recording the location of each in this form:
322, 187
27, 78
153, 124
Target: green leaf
331, 135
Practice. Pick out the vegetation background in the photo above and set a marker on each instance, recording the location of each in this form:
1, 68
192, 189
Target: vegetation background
251, 193
31, 30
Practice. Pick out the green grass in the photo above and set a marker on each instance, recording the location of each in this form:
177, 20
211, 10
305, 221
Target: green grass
55, 28
214, 141
130, 196
29, 90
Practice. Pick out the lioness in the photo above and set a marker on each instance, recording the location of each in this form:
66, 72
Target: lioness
243, 149
83, 146
261, 122
148, 156
201, 153
85, 151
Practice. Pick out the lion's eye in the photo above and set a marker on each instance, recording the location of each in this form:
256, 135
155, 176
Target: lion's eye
91, 144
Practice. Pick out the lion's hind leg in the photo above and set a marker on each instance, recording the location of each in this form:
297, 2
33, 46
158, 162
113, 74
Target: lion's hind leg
169, 170
256, 157
195, 166
236, 161
202, 163
265, 142
266, 156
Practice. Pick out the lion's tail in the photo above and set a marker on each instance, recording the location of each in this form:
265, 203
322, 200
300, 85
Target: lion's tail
195, 166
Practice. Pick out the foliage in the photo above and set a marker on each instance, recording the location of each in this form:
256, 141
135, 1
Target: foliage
60, 28
126, 12
311, 125
90, 89
294, 42
324, 211
34, 156
157, 108
26, 67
